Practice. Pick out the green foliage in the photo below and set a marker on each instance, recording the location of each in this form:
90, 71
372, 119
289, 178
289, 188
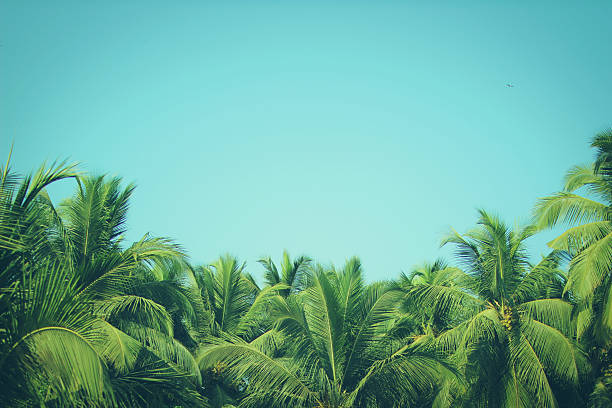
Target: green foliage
589, 240
336, 349
73, 331
87, 320
517, 345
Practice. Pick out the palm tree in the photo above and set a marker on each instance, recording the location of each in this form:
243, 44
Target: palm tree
171, 282
330, 347
133, 290
589, 240
433, 318
72, 333
44, 354
237, 308
24, 216
294, 274
236, 304
515, 346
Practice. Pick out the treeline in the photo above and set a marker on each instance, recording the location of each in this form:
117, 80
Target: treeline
87, 320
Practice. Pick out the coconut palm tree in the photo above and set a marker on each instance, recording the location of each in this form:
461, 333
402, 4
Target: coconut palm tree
330, 348
141, 291
171, 282
516, 345
236, 304
237, 307
25, 219
72, 334
434, 318
24, 378
589, 240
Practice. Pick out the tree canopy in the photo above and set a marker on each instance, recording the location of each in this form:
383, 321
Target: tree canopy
87, 319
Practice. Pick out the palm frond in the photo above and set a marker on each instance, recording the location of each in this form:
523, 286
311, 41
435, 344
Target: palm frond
242, 360
568, 208
378, 308
554, 350
136, 309
64, 361
603, 143
591, 266
324, 317
530, 371
556, 313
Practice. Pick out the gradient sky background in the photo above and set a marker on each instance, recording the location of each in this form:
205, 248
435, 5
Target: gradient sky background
326, 128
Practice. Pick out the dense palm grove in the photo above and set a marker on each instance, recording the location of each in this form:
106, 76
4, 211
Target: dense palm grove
87, 320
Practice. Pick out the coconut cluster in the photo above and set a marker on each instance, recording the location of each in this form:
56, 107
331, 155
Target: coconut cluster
507, 317
608, 371
217, 369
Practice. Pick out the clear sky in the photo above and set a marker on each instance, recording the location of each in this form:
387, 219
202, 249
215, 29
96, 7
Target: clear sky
329, 129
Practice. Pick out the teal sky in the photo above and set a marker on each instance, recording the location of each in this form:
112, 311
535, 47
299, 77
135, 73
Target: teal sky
329, 129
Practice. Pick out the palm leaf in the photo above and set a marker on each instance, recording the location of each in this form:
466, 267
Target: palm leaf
242, 360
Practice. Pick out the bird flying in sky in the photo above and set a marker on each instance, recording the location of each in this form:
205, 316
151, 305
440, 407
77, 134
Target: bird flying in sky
510, 85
